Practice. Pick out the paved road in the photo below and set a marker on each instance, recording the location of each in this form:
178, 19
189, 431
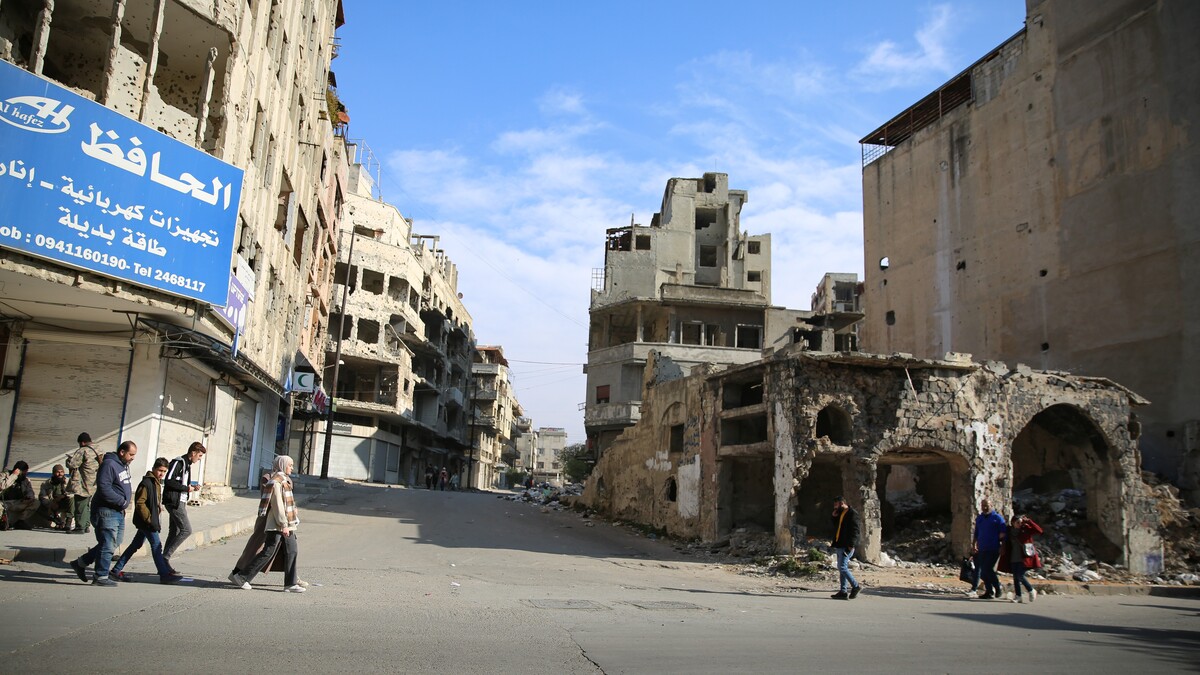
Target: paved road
416, 581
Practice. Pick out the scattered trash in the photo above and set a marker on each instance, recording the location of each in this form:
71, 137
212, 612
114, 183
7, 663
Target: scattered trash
455, 584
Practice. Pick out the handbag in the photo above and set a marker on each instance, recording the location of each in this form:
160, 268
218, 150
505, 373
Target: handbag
966, 571
1029, 550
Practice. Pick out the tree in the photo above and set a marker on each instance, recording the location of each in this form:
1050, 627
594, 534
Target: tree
576, 461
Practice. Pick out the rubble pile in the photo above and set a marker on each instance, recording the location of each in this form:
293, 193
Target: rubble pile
1180, 528
547, 495
918, 535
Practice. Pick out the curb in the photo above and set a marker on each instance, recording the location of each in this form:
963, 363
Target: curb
1106, 590
198, 538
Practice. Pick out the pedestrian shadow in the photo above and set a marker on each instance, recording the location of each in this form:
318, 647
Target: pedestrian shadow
1178, 645
30, 577
914, 593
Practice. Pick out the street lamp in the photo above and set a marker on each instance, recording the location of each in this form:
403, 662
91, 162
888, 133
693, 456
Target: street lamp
337, 360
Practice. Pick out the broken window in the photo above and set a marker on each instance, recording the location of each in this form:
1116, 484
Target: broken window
372, 282
834, 423
335, 320
642, 243
676, 438
708, 256
298, 237
744, 430
741, 394
752, 247
602, 393
672, 490
706, 218
285, 209
890, 318
346, 275
691, 333
748, 337
754, 276
368, 331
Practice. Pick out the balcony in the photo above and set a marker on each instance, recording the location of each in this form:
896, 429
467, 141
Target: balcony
485, 394
612, 414
485, 368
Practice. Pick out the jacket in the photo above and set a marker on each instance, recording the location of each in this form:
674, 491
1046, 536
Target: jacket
177, 483
112, 484
845, 529
83, 465
147, 504
1020, 536
989, 530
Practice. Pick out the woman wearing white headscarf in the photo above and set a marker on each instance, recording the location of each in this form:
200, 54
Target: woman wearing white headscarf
277, 511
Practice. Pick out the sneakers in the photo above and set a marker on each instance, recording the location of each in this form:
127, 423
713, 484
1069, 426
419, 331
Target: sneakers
840, 595
1017, 600
120, 576
239, 581
170, 579
302, 583
1032, 596
80, 571
295, 588
105, 582
854, 592
987, 596
971, 594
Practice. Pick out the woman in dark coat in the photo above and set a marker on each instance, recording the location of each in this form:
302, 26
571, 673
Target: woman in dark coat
1019, 554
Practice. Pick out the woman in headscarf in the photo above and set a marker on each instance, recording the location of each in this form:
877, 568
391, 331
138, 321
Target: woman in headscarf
279, 518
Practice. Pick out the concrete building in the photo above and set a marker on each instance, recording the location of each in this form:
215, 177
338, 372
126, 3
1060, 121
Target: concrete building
1036, 209
547, 466
401, 361
189, 156
495, 417
764, 447
691, 286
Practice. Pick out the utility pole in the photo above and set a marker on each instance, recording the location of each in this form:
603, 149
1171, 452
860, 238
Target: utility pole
337, 360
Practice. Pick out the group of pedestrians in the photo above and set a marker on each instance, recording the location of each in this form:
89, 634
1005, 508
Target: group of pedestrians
440, 479
995, 544
1006, 546
167, 487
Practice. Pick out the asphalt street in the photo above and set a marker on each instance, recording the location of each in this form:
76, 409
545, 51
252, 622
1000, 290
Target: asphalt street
418, 581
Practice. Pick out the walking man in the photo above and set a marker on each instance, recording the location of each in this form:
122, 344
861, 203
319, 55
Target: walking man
845, 540
113, 492
83, 464
985, 545
176, 488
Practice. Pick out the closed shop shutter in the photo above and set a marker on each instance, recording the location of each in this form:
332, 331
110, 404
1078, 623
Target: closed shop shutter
243, 443
65, 389
185, 408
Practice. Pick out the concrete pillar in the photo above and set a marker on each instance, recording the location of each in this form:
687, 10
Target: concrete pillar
858, 487
160, 8
41, 37
640, 329
114, 47
210, 72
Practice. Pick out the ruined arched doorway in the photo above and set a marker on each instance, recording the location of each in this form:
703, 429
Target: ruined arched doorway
814, 498
1065, 478
925, 504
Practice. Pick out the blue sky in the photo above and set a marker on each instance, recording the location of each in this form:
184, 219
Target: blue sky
520, 131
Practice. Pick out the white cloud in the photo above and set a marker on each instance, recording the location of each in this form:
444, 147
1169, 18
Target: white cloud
890, 65
562, 102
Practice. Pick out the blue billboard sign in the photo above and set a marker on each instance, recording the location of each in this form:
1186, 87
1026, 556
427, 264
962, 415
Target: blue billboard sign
87, 187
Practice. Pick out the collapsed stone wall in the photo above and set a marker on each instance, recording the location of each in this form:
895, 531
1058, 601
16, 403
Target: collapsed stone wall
843, 424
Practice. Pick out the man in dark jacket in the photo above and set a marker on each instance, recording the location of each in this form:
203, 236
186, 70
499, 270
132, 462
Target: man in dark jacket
145, 518
845, 540
113, 494
177, 487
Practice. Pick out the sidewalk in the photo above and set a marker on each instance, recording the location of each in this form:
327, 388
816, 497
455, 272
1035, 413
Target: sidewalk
210, 522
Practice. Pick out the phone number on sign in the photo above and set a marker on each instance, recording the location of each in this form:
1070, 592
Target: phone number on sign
72, 249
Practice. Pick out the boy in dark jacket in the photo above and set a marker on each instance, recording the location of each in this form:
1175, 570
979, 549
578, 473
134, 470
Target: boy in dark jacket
145, 519
845, 540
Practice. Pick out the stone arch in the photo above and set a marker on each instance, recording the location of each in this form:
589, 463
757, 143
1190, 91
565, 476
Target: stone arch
1064, 465
834, 423
927, 487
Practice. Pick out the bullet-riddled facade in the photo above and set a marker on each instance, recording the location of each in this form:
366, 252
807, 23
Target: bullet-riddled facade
162, 359
399, 351
1036, 209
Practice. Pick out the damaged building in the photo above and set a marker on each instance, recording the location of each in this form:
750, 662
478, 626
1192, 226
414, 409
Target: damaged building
399, 349
764, 447
1036, 209
692, 286
172, 181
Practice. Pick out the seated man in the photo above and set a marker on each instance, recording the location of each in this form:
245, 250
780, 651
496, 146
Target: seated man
56, 503
18, 498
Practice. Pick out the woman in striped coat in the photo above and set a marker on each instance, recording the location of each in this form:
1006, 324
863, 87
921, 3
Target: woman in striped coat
277, 506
